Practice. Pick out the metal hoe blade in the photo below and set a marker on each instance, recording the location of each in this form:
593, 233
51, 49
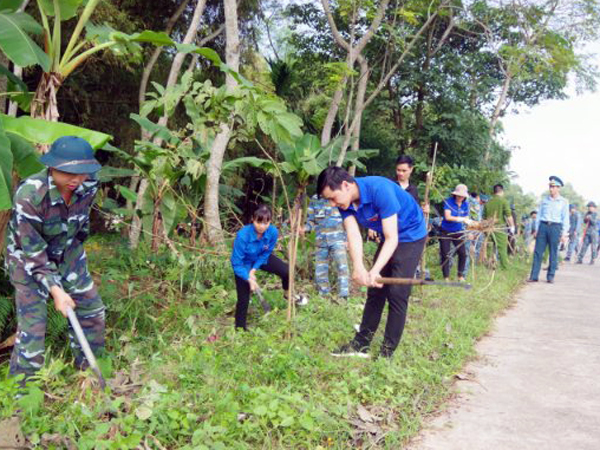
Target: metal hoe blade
87, 351
265, 305
465, 286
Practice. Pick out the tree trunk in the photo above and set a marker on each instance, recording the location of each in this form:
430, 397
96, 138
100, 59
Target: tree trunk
331, 114
422, 92
44, 104
156, 53
214, 230
136, 225
500, 106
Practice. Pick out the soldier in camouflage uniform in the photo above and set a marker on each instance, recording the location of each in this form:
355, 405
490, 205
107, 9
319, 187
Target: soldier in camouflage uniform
45, 256
590, 236
326, 221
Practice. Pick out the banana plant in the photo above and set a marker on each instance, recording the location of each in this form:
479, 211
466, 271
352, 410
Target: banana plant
86, 40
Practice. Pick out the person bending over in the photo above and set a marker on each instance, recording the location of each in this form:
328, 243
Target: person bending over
381, 205
253, 250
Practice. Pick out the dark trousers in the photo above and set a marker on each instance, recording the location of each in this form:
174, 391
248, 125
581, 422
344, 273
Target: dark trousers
548, 235
457, 239
274, 265
402, 264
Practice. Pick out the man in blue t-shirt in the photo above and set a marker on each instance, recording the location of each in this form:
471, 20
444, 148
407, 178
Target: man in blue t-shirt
379, 204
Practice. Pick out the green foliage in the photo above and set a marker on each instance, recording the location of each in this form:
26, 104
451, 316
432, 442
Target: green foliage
15, 42
7, 310
198, 384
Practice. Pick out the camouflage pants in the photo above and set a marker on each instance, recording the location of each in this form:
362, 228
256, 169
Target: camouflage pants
589, 240
337, 253
28, 352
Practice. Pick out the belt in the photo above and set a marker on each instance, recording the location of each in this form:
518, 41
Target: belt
550, 223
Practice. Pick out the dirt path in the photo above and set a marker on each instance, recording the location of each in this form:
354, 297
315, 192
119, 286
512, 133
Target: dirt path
536, 384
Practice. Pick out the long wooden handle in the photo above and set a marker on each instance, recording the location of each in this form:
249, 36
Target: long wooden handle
402, 281
419, 282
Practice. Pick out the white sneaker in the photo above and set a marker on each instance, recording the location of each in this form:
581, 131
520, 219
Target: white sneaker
301, 300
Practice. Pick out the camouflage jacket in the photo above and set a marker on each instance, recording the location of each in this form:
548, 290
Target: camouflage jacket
590, 223
326, 221
44, 235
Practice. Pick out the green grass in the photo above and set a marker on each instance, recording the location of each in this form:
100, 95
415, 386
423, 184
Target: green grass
187, 379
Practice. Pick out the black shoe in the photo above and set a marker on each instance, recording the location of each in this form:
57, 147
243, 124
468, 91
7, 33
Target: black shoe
567, 259
551, 281
592, 263
386, 352
579, 262
546, 268
348, 350
531, 280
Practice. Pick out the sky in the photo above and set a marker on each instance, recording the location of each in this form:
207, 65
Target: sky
557, 137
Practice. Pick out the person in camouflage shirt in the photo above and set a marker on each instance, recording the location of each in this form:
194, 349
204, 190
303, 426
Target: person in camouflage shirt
326, 221
45, 256
590, 236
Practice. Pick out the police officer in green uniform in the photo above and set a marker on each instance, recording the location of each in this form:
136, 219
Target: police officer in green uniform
45, 256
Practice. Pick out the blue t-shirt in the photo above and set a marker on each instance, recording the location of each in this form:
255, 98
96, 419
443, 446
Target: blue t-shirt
455, 211
381, 198
249, 252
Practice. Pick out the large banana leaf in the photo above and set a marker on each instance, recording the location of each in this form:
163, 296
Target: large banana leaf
68, 8
25, 156
41, 131
15, 42
10, 5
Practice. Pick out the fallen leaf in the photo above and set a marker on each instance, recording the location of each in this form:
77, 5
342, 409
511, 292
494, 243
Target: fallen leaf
11, 435
57, 440
143, 412
364, 415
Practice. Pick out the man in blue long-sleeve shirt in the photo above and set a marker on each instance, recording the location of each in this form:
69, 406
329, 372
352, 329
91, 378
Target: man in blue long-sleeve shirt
552, 227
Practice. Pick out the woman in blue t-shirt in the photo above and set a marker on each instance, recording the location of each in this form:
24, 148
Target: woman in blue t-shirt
456, 215
253, 250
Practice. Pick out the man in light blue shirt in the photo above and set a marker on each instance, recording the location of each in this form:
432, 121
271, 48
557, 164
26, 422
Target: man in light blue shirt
552, 227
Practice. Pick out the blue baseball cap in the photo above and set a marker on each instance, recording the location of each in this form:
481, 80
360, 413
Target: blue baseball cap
71, 154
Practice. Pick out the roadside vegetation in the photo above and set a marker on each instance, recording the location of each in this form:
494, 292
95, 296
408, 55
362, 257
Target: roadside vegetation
181, 377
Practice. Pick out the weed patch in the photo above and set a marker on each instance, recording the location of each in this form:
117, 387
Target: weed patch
181, 377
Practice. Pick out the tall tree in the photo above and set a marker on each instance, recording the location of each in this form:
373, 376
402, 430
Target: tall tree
214, 229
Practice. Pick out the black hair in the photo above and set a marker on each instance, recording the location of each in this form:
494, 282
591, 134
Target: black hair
332, 177
262, 214
474, 194
532, 213
405, 159
497, 188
